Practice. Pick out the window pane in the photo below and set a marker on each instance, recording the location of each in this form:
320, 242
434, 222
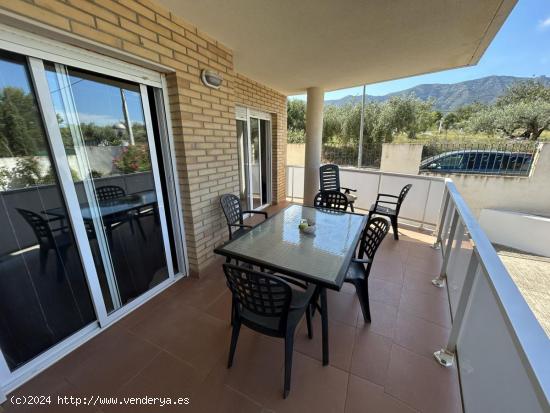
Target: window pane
103, 128
44, 296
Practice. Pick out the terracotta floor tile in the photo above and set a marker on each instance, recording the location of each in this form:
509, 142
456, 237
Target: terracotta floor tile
422, 282
384, 291
422, 383
45, 384
178, 342
164, 377
341, 341
371, 356
221, 308
426, 306
391, 271
364, 396
315, 388
426, 265
418, 335
192, 335
343, 307
107, 362
383, 319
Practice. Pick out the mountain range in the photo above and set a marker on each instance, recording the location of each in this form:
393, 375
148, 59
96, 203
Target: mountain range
450, 96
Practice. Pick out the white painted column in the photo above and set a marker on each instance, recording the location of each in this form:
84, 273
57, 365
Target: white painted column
314, 136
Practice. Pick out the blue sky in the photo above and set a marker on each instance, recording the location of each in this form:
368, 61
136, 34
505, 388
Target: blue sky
520, 48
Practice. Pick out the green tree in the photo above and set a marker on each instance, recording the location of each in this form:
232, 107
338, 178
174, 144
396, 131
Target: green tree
523, 111
523, 92
296, 114
20, 130
332, 122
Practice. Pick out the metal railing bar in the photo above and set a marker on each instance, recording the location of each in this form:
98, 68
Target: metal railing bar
530, 338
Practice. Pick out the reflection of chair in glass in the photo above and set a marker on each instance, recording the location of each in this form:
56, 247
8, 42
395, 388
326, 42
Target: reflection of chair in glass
387, 211
269, 305
231, 205
359, 268
112, 193
57, 239
331, 200
329, 177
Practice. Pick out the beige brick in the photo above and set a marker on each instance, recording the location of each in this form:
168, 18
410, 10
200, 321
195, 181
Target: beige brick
28, 10
152, 5
117, 31
138, 8
138, 29
166, 51
66, 11
94, 10
95, 35
153, 26
118, 9
141, 51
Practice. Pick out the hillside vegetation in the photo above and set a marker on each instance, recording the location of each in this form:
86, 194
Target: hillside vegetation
522, 112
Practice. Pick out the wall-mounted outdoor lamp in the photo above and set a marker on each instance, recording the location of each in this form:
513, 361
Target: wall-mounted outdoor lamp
211, 78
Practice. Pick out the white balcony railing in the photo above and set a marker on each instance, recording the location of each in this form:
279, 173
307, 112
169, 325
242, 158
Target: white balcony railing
422, 204
502, 352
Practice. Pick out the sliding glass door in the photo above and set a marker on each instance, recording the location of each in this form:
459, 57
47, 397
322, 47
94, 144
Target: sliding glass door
254, 150
44, 296
83, 188
105, 138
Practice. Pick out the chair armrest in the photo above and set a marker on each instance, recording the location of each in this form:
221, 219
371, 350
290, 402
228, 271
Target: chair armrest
361, 260
256, 212
241, 225
388, 195
348, 189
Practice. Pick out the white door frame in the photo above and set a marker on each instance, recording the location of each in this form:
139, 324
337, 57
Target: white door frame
246, 114
35, 52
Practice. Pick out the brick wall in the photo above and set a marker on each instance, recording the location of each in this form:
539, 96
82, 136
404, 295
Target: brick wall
203, 119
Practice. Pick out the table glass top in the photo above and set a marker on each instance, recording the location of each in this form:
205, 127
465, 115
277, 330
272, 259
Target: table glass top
279, 242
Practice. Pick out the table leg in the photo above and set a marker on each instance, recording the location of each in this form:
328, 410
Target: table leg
324, 324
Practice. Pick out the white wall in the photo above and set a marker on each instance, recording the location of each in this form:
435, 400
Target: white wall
421, 205
526, 194
525, 232
401, 158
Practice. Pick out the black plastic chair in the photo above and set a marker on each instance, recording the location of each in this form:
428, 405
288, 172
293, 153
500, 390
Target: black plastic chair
57, 239
269, 305
359, 268
329, 177
391, 213
331, 200
111, 193
234, 215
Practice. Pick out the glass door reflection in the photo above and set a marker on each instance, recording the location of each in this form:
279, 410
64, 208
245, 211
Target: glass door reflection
104, 132
44, 295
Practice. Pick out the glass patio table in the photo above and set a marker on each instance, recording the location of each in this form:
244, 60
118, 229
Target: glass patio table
321, 258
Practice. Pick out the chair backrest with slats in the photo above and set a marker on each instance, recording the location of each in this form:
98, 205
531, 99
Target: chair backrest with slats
39, 225
329, 177
402, 196
259, 293
108, 192
331, 200
231, 206
373, 235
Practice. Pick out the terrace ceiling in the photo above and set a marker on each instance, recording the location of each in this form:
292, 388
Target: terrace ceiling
291, 45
